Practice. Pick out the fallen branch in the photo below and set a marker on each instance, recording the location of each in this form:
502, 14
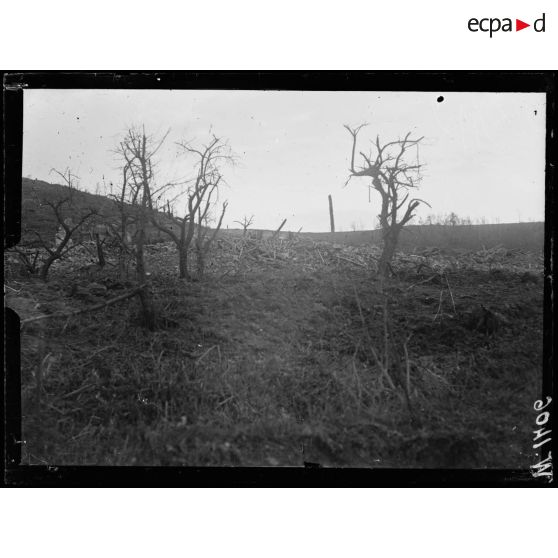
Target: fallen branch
205, 354
422, 282
351, 261
84, 310
78, 391
225, 401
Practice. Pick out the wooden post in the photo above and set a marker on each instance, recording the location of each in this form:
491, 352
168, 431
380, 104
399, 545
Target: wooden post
331, 221
279, 229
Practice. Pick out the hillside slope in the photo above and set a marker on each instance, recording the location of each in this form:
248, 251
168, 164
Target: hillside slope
526, 236
39, 217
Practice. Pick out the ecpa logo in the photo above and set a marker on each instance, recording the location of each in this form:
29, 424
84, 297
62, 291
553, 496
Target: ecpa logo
492, 25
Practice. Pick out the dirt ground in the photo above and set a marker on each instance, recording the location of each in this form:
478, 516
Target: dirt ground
287, 352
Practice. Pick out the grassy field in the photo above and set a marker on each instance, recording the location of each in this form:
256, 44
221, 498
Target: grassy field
288, 352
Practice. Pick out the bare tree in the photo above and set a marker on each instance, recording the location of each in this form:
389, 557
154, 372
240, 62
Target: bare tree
201, 194
70, 179
137, 151
126, 201
62, 210
245, 223
393, 178
63, 244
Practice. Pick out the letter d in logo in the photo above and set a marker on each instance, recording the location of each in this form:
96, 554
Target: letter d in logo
539, 24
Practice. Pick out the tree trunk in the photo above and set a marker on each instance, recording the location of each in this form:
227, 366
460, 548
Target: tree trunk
122, 265
147, 307
148, 310
391, 237
100, 253
183, 263
200, 261
43, 274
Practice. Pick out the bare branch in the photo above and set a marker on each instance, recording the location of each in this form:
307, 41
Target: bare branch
83, 310
354, 132
218, 227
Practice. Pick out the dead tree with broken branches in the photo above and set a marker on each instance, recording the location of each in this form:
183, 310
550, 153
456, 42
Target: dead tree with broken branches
137, 151
201, 194
391, 174
47, 250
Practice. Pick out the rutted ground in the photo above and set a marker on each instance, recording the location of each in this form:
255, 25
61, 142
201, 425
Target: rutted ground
279, 357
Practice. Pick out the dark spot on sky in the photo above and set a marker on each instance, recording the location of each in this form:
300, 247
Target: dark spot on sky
440, 99
535, 113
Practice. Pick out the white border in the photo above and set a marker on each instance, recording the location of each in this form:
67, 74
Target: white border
282, 523
251, 34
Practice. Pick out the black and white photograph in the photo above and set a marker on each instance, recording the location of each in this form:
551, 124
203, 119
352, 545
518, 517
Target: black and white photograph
280, 277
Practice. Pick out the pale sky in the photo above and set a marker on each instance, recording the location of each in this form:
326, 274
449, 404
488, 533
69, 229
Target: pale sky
483, 153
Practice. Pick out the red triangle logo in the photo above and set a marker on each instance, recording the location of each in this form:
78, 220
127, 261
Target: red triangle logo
519, 25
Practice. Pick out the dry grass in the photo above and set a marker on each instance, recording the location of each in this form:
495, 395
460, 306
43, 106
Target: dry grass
287, 352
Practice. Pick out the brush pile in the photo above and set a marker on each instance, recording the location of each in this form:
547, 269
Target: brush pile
241, 256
